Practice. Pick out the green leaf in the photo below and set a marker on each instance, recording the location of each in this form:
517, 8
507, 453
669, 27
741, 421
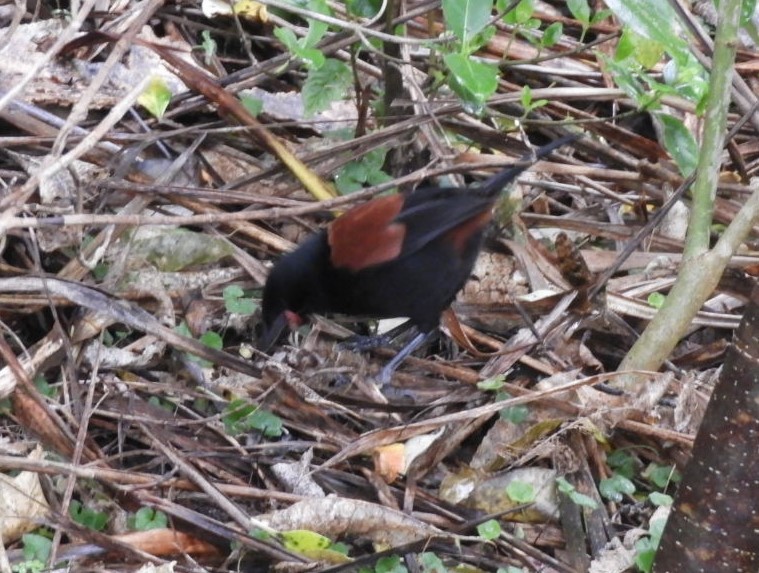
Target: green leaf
466, 18
183, 329
431, 563
622, 463
525, 97
661, 476
87, 517
688, 79
268, 423
363, 8
240, 417
390, 564
627, 78
680, 143
748, 7
552, 35
654, 20
43, 387
614, 488
164, 404
656, 300
646, 52
341, 547
288, 38
312, 57
600, 16
520, 491
575, 496
236, 302
253, 105
660, 499
304, 540
515, 414
580, 10
147, 518
316, 28
645, 551
325, 85
366, 170
521, 13
489, 530
260, 534
480, 80
212, 340
156, 97
36, 547
492, 384
208, 46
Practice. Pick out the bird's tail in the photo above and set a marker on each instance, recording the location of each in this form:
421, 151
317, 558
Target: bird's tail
500, 180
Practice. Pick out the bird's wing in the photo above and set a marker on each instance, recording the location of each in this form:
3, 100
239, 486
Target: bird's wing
367, 235
457, 215
394, 227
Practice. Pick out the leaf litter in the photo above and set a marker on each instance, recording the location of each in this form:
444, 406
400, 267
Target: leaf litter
106, 367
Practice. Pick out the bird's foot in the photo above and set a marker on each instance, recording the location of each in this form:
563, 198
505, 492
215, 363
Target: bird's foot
386, 374
359, 343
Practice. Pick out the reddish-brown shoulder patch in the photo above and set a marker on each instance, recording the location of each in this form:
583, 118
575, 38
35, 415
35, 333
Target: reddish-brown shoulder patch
366, 235
458, 236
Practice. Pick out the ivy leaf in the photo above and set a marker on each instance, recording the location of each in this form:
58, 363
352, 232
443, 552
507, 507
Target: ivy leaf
36, 547
236, 302
616, 487
656, 300
147, 518
520, 492
489, 530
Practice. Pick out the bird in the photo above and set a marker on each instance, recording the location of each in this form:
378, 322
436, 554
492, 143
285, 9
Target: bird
401, 255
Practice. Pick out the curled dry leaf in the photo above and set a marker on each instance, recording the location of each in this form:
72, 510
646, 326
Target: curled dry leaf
394, 460
614, 558
336, 518
21, 502
296, 476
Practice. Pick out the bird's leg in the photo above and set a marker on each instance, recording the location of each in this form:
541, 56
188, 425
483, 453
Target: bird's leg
387, 372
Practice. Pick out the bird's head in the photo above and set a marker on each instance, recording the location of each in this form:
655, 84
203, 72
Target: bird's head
291, 292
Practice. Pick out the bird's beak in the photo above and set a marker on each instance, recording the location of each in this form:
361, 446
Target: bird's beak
273, 333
